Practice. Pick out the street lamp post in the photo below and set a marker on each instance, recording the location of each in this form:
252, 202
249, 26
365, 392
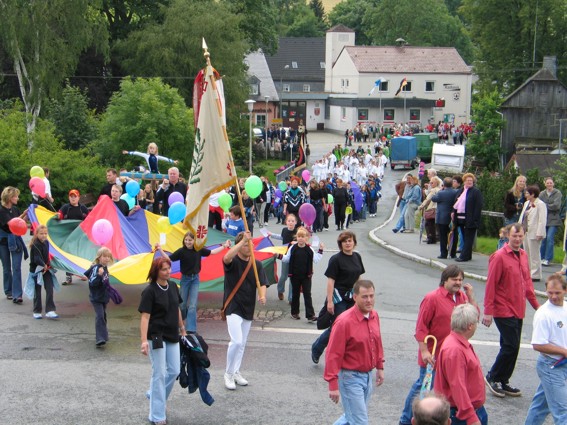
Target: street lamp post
266, 131
560, 132
250, 104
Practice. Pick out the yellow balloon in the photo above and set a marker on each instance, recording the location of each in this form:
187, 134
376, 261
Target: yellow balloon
163, 225
37, 171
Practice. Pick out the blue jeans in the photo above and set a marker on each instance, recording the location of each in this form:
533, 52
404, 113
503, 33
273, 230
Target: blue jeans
551, 394
12, 268
356, 389
480, 412
407, 413
283, 277
166, 366
189, 296
546, 250
400, 223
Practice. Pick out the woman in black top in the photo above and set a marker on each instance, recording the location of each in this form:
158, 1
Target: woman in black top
12, 247
340, 194
160, 326
317, 197
343, 270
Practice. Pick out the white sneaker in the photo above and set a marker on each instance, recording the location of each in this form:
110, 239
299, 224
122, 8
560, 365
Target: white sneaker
239, 379
37, 316
229, 381
51, 315
544, 263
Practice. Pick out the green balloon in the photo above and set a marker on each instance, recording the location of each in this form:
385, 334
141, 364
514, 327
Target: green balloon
225, 201
37, 171
253, 186
283, 186
330, 198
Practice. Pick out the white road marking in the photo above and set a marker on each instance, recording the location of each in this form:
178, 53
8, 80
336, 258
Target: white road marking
318, 332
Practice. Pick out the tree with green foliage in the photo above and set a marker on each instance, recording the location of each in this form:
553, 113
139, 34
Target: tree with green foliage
173, 49
512, 37
145, 111
298, 19
484, 143
351, 13
422, 23
318, 9
70, 169
75, 124
44, 41
258, 25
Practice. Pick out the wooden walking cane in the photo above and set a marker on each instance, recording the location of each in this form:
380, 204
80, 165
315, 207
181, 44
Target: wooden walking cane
239, 195
428, 378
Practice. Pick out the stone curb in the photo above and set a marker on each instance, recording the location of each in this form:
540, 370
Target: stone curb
417, 258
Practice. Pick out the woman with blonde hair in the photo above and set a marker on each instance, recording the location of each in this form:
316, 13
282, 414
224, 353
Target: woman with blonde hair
429, 208
514, 201
12, 247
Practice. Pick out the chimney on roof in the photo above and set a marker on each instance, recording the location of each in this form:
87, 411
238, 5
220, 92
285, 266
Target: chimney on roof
550, 63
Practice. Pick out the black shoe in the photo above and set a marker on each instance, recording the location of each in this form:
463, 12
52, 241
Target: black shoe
442, 257
494, 387
17, 301
395, 230
100, 344
295, 316
314, 358
312, 319
511, 391
460, 260
453, 257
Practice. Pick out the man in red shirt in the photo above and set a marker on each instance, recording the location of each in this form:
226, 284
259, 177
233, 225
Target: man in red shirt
354, 350
508, 285
434, 318
459, 374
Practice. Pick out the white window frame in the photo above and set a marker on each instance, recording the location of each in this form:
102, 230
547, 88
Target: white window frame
306, 88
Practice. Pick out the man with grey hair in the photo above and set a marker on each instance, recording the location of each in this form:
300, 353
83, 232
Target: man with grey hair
459, 374
433, 409
170, 185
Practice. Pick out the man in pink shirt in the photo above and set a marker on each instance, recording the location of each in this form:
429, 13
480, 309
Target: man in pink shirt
508, 285
434, 318
354, 350
458, 371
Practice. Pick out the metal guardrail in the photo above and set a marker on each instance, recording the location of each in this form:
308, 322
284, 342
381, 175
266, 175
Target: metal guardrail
492, 214
283, 175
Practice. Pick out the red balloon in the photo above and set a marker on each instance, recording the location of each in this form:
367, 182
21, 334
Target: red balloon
37, 186
18, 226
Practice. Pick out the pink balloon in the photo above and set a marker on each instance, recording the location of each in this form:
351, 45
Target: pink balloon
306, 176
307, 214
102, 231
37, 186
175, 197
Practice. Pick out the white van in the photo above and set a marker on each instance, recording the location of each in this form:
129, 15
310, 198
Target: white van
448, 158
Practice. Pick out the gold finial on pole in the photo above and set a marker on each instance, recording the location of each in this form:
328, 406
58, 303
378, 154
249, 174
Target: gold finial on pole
206, 52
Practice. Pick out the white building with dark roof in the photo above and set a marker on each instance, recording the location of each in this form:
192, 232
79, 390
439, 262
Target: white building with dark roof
438, 83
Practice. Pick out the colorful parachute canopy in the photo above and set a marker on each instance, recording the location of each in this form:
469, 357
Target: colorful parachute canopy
73, 248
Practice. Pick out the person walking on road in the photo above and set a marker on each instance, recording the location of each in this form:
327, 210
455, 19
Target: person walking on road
239, 309
355, 350
459, 374
508, 285
343, 270
434, 318
549, 338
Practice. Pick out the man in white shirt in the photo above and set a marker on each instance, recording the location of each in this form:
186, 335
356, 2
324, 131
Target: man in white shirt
549, 338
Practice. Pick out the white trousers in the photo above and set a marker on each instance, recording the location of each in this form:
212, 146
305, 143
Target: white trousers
238, 329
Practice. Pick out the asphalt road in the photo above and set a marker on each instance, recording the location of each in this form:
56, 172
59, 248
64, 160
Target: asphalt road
51, 372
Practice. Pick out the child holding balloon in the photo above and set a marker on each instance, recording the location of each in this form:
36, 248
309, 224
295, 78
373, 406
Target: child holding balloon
41, 274
190, 265
287, 236
301, 257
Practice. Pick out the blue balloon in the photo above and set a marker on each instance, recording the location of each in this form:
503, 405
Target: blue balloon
129, 200
176, 212
132, 188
